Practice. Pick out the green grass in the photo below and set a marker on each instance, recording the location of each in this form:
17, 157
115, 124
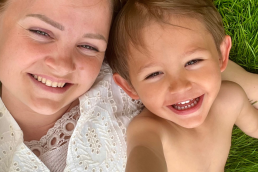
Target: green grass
240, 19
241, 23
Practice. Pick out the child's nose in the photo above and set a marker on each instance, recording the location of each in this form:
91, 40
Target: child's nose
61, 63
179, 84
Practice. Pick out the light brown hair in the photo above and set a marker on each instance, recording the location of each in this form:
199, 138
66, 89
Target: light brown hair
136, 14
3, 4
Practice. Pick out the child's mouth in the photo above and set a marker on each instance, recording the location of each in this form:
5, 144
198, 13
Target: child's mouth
186, 104
48, 82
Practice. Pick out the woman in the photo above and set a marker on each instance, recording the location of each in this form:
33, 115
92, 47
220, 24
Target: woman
52, 115
51, 53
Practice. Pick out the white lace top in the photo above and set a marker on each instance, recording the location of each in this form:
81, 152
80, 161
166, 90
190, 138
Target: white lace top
52, 148
97, 143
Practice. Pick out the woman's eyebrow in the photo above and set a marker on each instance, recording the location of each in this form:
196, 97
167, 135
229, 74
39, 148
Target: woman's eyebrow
61, 27
47, 20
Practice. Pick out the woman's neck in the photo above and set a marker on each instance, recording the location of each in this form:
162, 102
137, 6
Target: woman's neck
33, 125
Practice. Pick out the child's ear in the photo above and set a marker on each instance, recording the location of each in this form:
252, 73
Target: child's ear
225, 49
125, 86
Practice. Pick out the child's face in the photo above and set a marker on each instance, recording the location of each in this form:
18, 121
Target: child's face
180, 75
61, 41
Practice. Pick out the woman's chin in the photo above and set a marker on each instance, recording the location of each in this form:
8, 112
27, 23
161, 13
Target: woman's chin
48, 107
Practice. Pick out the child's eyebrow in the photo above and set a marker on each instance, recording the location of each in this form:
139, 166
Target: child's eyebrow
185, 54
47, 20
95, 36
149, 65
192, 51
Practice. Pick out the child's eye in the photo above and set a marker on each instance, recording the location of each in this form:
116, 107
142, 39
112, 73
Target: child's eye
39, 32
153, 75
88, 47
193, 62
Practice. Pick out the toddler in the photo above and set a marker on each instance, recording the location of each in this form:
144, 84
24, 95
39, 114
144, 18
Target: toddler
170, 55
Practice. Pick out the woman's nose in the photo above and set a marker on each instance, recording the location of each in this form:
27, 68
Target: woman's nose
61, 63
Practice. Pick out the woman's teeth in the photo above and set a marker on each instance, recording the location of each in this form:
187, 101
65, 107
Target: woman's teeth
48, 82
186, 104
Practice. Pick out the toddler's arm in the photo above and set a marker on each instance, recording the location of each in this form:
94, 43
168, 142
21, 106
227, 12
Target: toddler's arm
247, 119
248, 81
144, 147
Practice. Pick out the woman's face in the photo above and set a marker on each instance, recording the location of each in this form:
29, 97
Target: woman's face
51, 51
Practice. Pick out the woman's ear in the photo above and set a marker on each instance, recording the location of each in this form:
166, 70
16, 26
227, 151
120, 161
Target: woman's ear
225, 49
120, 81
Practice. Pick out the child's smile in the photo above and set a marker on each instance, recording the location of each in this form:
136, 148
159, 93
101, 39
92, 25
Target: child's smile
188, 106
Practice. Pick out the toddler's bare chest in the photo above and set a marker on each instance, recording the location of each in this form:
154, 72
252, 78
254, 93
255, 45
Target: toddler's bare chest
198, 153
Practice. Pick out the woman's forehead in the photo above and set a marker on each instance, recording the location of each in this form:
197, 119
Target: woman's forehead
88, 16
83, 9
87, 4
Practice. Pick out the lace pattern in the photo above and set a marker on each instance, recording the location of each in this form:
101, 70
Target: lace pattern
100, 143
57, 135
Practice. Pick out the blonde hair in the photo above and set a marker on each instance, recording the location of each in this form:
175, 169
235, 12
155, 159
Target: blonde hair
136, 14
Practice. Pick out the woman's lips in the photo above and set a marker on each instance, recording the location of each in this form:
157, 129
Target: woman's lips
49, 85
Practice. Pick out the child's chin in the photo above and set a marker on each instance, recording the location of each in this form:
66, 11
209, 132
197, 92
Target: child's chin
192, 123
191, 126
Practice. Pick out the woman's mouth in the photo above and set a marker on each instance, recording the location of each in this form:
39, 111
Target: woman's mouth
48, 85
48, 82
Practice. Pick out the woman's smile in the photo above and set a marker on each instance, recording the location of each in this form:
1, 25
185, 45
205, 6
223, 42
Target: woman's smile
50, 86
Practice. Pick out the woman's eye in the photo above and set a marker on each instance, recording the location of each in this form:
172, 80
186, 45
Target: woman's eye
88, 47
39, 32
153, 75
193, 62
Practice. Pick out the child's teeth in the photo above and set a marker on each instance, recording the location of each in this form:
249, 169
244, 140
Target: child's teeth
39, 78
187, 101
186, 104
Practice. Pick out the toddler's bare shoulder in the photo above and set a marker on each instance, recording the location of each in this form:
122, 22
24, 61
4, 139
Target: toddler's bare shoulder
147, 118
230, 95
145, 130
228, 103
231, 89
